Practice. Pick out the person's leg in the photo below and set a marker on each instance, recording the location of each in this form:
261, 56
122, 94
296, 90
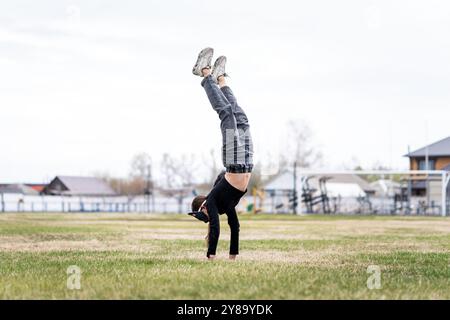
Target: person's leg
219, 102
237, 145
245, 148
239, 114
227, 119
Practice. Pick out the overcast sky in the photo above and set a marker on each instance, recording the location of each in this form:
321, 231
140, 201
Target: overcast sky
85, 85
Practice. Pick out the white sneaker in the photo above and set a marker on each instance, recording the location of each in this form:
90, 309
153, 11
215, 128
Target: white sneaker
203, 61
219, 68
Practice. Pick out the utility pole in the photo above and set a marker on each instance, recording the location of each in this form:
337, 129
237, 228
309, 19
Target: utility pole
147, 188
409, 181
294, 203
427, 165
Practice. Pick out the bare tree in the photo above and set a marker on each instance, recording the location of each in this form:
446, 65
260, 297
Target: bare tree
168, 166
210, 162
179, 172
119, 185
140, 180
179, 176
141, 177
299, 146
141, 172
141, 165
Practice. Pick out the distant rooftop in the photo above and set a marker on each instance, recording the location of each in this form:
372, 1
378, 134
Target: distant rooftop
18, 188
88, 186
437, 149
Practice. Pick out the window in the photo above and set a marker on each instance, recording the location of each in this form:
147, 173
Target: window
431, 164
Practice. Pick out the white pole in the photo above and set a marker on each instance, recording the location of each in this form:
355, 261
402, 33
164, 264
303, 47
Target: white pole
444, 194
307, 172
445, 182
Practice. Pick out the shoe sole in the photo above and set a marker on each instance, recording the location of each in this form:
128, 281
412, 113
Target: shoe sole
203, 61
219, 61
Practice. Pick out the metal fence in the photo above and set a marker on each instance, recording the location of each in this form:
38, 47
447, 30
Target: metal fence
139, 204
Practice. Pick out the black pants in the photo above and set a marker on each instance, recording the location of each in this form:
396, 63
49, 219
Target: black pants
237, 144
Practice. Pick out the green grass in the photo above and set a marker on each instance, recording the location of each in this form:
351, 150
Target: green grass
282, 257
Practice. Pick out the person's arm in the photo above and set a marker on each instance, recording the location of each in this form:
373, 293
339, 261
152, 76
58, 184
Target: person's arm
233, 222
214, 228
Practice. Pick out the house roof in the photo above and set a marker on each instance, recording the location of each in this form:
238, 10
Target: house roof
385, 186
36, 186
437, 149
17, 188
283, 181
89, 186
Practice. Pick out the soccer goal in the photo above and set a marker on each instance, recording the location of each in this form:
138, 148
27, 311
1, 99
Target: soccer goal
303, 191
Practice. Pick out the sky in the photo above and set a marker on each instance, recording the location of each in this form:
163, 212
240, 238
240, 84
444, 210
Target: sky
87, 84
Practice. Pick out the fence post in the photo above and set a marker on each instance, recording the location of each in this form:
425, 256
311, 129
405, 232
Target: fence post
2, 202
300, 197
445, 181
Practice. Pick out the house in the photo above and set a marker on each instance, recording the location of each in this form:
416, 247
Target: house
78, 186
438, 155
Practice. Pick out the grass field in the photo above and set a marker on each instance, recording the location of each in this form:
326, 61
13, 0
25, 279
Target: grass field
282, 257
